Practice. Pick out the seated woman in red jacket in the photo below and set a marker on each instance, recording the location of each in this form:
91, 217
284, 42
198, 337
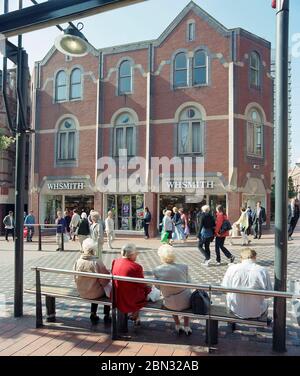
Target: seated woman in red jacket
130, 296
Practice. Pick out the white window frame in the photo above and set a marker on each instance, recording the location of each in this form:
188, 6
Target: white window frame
255, 69
181, 69
126, 76
252, 128
200, 66
59, 86
124, 128
191, 31
190, 123
75, 83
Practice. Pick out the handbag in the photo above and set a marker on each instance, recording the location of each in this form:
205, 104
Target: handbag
66, 239
107, 289
25, 232
154, 294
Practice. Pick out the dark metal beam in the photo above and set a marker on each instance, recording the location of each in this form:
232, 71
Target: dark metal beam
53, 12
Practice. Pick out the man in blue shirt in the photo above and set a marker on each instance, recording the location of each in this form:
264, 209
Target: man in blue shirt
30, 220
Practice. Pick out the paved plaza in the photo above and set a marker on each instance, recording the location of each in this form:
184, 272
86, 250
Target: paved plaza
73, 334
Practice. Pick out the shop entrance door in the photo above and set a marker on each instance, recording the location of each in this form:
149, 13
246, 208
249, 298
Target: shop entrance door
81, 203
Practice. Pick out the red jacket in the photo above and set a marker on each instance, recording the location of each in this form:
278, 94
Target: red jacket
219, 221
130, 296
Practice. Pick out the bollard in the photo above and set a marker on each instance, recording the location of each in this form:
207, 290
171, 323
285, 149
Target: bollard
40, 238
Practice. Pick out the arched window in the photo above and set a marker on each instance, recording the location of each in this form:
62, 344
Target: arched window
61, 86
255, 69
125, 77
190, 132
200, 68
180, 70
125, 134
255, 134
66, 141
75, 84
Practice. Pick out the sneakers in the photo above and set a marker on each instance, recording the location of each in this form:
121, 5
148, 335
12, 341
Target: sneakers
187, 330
290, 238
231, 260
218, 263
94, 318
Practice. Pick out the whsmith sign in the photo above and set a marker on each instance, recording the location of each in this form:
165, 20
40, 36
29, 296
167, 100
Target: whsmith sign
66, 186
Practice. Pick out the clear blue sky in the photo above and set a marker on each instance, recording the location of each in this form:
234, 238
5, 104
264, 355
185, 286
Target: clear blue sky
147, 20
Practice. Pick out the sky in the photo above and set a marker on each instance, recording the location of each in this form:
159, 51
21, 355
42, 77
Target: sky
147, 20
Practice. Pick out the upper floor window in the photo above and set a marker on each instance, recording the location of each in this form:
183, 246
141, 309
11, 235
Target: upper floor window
200, 68
180, 70
61, 86
255, 134
125, 77
75, 84
191, 31
254, 69
125, 134
190, 132
66, 141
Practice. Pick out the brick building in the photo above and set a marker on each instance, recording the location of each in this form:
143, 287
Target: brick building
200, 91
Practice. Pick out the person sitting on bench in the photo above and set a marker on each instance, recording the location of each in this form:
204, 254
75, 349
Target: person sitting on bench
175, 298
91, 288
130, 296
247, 274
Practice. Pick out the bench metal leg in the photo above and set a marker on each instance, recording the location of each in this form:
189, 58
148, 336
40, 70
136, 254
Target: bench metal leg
211, 332
50, 309
122, 322
38, 297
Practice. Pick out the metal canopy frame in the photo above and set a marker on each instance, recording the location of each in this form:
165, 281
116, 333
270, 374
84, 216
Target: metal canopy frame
53, 12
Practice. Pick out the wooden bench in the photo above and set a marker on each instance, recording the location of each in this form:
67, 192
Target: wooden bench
217, 312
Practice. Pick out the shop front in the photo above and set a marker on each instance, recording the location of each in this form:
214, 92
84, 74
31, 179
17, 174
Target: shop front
65, 194
128, 210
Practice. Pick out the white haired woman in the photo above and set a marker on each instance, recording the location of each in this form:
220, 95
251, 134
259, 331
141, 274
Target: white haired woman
175, 298
130, 296
206, 233
97, 232
91, 288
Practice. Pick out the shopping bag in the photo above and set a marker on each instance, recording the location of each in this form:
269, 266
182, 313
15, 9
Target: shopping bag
164, 237
154, 294
25, 232
66, 238
107, 289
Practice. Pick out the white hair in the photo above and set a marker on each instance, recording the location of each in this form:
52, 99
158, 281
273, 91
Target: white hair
166, 253
95, 216
89, 246
128, 250
205, 208
83, 215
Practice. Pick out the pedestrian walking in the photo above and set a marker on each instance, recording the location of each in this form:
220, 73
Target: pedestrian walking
30, 220
146, 222
178, 233
293, 216
60, 229
250, 220
259, 217
9, 224
243, 222
97, 232
83, 230
68, 218
206, 233
110, 229
184, 223
74, 224
167, 228
221, 235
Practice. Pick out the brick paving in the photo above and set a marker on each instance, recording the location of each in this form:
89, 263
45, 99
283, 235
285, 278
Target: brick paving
73, 334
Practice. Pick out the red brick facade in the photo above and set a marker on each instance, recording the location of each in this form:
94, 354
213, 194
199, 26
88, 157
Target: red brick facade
224, 103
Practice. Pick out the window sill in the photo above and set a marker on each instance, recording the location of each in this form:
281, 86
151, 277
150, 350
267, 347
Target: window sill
123, 94
255, 156
191, 155
201, 85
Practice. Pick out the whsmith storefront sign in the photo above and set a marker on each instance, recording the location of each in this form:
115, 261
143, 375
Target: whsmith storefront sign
72, 186
203, 184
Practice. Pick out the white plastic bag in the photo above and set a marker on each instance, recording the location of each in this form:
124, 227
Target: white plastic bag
154, 294
107, 289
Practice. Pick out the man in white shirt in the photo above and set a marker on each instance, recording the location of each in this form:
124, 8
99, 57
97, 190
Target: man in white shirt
249, 275
74, 224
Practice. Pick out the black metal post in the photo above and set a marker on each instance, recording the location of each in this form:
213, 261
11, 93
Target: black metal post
40, 237
281, 173
62, 239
